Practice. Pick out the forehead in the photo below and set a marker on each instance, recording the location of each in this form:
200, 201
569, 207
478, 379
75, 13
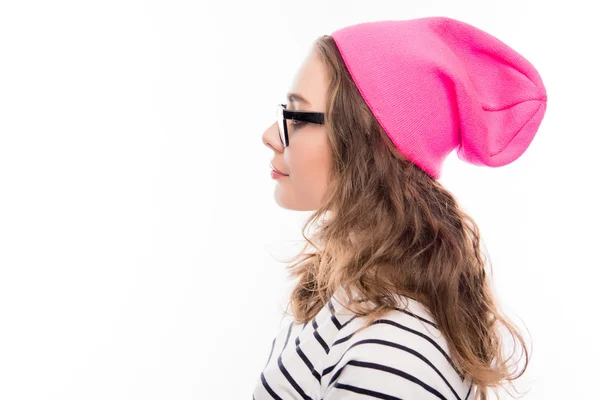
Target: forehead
310, 81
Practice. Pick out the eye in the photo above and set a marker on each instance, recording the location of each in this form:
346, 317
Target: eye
297, 124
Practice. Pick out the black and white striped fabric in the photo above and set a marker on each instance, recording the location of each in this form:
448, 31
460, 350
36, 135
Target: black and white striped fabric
402, 356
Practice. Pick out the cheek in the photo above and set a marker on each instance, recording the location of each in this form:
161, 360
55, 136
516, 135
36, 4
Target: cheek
309, 166
309, 157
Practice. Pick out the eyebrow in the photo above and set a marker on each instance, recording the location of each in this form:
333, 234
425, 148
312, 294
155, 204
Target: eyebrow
296, 97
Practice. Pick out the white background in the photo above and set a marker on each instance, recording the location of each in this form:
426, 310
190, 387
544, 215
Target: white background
138, 228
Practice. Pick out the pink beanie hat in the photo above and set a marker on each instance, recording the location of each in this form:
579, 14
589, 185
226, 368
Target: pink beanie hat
436, 84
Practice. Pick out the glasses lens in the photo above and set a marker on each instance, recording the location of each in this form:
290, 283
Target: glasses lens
280, 122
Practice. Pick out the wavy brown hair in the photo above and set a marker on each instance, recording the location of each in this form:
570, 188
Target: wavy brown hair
395, 231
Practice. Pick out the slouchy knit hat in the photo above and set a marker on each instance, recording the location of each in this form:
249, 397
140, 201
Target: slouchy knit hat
436, 84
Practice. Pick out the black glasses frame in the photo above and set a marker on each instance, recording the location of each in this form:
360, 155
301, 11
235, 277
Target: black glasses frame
305, 116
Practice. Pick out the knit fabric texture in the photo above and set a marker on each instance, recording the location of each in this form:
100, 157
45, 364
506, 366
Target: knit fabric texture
436, 84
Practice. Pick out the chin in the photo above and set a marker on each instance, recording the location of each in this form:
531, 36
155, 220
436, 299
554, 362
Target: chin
287, 202
293, 207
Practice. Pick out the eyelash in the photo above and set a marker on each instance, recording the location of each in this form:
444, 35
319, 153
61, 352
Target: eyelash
297, 124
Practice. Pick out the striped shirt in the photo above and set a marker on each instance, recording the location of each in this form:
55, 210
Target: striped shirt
403, 356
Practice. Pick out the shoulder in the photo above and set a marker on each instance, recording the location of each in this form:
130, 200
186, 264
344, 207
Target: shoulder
402, 355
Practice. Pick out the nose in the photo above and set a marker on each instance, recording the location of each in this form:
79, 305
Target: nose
271, 137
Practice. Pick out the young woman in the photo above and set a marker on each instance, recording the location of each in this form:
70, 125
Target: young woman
394, 301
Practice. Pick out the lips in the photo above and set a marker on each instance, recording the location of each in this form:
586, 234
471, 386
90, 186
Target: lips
276, 170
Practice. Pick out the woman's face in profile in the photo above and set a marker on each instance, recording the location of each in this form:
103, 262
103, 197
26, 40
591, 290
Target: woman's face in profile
307, 160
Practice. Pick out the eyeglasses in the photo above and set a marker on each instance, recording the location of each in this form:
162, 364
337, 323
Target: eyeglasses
296, 118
